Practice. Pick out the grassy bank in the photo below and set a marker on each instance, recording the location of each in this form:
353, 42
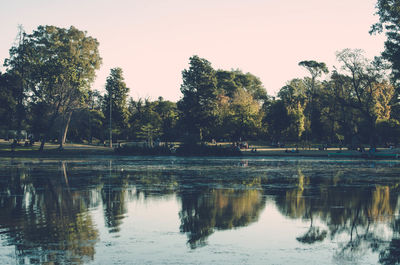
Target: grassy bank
52, 150
83, 150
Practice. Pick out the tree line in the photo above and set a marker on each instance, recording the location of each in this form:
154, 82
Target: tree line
46, 90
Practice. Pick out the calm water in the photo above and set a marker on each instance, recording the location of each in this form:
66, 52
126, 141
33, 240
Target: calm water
146, 210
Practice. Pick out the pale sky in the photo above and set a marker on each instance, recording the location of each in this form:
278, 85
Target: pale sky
152, 40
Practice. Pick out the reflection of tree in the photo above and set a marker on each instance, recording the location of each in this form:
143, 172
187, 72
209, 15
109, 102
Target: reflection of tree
209, 209
297, 206
313, 235
295, 203
381, 208
391, 253
44, 219
113, 195
153, 183
345, 210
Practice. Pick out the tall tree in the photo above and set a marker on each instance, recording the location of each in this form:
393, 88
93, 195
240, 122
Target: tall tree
18, 70
294, 97
115, 100
368, 91
389, 22
7, 102
199, 103
316, 69
62, 64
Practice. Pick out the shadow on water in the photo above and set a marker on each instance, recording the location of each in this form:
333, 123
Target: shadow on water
47, 206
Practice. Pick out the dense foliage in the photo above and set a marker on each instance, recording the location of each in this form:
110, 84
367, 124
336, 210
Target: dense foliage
45, 91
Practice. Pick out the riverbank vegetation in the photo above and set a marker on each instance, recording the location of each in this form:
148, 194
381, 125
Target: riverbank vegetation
46, 91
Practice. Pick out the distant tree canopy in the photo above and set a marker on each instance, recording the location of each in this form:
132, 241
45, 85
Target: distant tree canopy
45, 90
220, 104
350, 107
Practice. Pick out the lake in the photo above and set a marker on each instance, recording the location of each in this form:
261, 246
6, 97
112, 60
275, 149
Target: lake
172, 210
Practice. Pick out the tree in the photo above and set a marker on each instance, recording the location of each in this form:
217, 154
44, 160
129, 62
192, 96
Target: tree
116, 97
368, 91
153, 119
199, 103
389, 130
62, 64
245, 115
316, 69
17, 76
277, 119
294, 97
252, 84
7, 103
389, 22
168, 114
229, 82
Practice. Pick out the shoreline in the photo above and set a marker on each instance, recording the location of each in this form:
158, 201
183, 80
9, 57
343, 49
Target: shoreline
83, 150
56, 154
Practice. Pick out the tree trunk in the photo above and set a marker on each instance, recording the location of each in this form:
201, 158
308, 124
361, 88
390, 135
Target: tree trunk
64, 131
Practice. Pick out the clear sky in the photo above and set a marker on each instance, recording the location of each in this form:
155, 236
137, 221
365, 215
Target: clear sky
152, 40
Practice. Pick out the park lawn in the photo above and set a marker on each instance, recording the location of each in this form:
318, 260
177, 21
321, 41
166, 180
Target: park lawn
51, 149
79, 150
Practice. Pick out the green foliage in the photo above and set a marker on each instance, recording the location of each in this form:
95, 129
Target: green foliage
296, 120
49, 72
17, 80
62, 80
315, 68
245, 115
365, 90
277, 119
294, 92
199, 103
389, 130
55, 66
118, 91
40, 120
148, 132
229, 82
389, 22
86, 124
8, 103
312, 111
293, 99
152, 120
220, 104
346, 107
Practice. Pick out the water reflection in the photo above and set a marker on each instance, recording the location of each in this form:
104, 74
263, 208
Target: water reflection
48, 207
44, 218
204, 211
347, 212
